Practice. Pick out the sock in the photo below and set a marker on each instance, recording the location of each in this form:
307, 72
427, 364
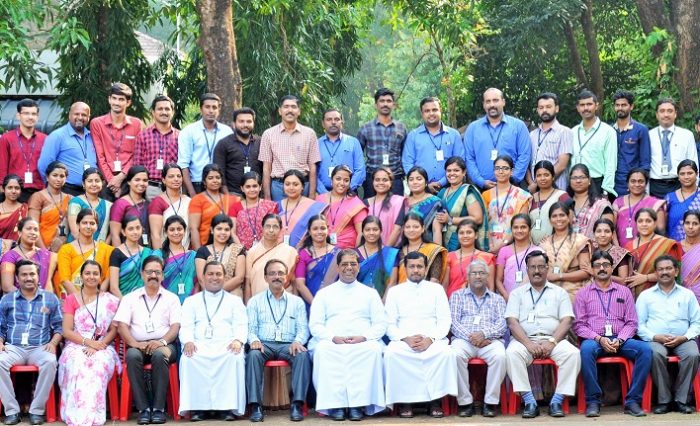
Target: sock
557, 398
529, 398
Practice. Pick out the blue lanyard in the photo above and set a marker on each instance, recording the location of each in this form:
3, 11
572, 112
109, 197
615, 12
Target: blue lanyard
535, 302
325, 144
541, 139
31, 150
499, 211
519, 263
82, 145
210, 148
442, 133
478, 306
606, 311
245, 149
498, 137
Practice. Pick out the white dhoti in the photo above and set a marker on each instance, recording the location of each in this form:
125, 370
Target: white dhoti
349, 376
419, 376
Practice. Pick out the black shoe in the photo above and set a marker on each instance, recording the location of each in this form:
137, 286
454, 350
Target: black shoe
488, 410
465, 410
256, 413
593, 410
633, 409
227, 416
36, 419
337, 414
684, 408
12, 419
556, 409
197, 416
355, 414
158, 417
295, 412
144, 417
662, 409
530, 411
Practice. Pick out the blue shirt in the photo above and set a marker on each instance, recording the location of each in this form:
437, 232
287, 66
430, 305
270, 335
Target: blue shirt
41, 317
345, 151
289, 311
633, 151
421, 150
675, 313
68, 147
195, 147
510, 137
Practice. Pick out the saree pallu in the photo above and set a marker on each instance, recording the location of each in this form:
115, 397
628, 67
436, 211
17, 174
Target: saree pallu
178, 270
621, 257
70, 261
9, 221
539, 210
456, 204
437, 262
427, 209
207, 208
342, 216
584, 220
295, 221
101, 210
41, 257
676, 209
321, 272
249, 222
566, 255
690, 270
258, 256
512, 264
233, 250
376, 270
643, 257
388, 216
130, 271
459, 271
50, 223
625, 216
501, 210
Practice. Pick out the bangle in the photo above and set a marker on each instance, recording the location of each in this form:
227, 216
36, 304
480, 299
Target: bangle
83, 341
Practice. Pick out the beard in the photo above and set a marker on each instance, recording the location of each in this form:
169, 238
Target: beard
241, 133
547, 118
622, 114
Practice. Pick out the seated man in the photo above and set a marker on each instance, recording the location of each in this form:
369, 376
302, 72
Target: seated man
539, 315
419, 364
606, 321
348, 321
277, 330
669, 318
30, 331
149, 319
478, 328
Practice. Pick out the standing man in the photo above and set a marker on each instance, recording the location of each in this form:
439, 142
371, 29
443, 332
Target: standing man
348, 321
72, 145
607, 322
197, 141
238, 153
114, 135
30, 331
670, 145
539, 315
20, 149
478, 327
338, 148
550, 141
277, 330
493, 135
382, 139
431, 144
156, 145
633, 148
286, 146
669, 318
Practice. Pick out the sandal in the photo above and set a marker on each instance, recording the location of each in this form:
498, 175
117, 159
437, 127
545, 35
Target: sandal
406, 412
436, 412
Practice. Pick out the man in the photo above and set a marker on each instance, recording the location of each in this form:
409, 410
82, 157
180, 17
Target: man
496, 134
670, 145
20, 149
156, 145
30, 331
607, 322
214, 329
669, 318
238, 153
197, 142
383, 139
419, 364
71, 145
633, 149
551, 141
478, 328
115, 136
277, 330
348, 321
539, 315
149, 327
595, 144
338, 148
431, 144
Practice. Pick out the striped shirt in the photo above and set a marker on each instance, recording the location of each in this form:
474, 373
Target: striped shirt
377, 139
265, 311
151, 145
296, 150
465, 306
41, 317
595, 307
549, 145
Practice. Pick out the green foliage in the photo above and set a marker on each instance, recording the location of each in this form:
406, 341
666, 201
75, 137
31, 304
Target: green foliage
183, 79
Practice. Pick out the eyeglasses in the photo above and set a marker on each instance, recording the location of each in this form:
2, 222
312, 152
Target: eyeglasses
578, 177
478, 273
349, 265
604, 265
276, 274
501, 168
538, 267
153, 272
271, 226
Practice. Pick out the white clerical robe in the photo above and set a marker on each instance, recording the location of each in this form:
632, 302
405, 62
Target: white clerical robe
213, 378
348, 375
418, 309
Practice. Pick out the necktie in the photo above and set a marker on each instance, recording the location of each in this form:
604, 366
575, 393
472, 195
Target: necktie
666, 149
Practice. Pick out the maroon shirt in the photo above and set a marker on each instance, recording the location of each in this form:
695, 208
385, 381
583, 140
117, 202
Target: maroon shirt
19, 155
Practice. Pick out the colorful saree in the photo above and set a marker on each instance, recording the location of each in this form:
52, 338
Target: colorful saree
539, 214
41, 257
232, 251
586, 217
690, 270
320, 272
102, 210
249, 221
8, 222
643, 256
512, 264
130, 271
459, 267
501, 209
342, 216
70, 261
676, 209
52, 220
427, 209
207, 208
376, 270
388, 217
437, 262
456, 204
565, 257
178, 270
621, 257
295, 221
258, 256
625, 215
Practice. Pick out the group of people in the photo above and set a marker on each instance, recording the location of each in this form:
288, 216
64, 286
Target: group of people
404, 235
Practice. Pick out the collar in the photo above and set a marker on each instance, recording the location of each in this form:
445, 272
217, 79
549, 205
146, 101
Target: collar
629, 126
672, 129
72, 132
555, 125
271, 296
595, 125
108, 120
201, 125
505, 119
153, 129
547, 284
657, 288
378, 123
39, 294
595, 286
142, 291
486, 293
297, 128
424, 129
340, 138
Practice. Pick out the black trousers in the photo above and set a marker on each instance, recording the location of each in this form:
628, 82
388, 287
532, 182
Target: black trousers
660, 187
255, 365
160, 375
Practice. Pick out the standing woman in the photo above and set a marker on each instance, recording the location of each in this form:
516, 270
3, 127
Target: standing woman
295, 210
379, 264
543, 199
345, 210
27, 247
11, 210
626, 207
178, 274
414, 240
221, 247
458, 261
249, 218
420, 201
690, 265
93, 182
683, 199
317, 266
49, 208
604, 232
126, 259
171, 202
134, 203
388, 207
588, 204
511, 271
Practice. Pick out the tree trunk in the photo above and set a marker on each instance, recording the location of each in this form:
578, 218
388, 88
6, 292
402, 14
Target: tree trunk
589, 35
652, 14
218, 43
102, 43
575, 56
685, 21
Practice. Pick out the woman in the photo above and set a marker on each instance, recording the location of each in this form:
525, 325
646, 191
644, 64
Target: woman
345, 210
690, 265
569, 252
316, 267
461, 201
503, 201
379, 264
295, 210
249, 219
133, 203
93, 181
126, 259
73, 255
27, 247
172, 202
645, 249
588, 204
511, 271
388, 207
210, 203
420, 201
414, 240
683, 199
458, 261
178, 274
222, 247
626, 207
543, 199
11, 210
88, 358
50, 206
604, 232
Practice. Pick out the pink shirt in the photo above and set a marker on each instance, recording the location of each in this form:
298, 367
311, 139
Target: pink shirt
114, 143
295, 150
165, 311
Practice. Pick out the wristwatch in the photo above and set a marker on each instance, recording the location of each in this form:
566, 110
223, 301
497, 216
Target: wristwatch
164, 342
552, 340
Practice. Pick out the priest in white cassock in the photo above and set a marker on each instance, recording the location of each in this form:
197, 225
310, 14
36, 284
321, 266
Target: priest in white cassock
347, 322
419, 364
212, 370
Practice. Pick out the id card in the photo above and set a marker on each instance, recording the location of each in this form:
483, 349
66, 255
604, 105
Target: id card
576, 229
608, 330
497, 228
86, 166
628, 233
439, 155
150, 328
246, 169
494, 154
556, 270
28, 177
334, 238
25, 339
144, 238
518, 276
531, 317
385, 159
330, 170
209, 332
278, 335
117, 166
477, 320
181, 288
286, 239
664, 169
159, 164
538, 224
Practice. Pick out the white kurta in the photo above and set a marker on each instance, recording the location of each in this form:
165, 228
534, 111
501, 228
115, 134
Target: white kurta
418, 309
348, 375
214, 377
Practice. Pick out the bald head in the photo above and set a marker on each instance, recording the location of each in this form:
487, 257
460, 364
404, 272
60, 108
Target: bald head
492, 91
494, 104
79, 116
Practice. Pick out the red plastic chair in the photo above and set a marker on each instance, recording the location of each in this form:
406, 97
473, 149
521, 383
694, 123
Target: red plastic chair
504, 393
281, 364
646, 398
50, 403
514, 399
625, 379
